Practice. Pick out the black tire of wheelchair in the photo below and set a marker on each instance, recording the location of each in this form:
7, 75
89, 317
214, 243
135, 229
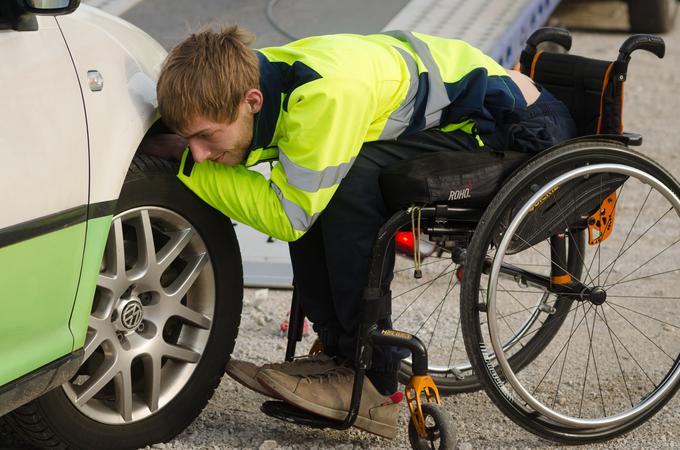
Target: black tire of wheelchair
52, 421
445, 385
443, 432
591, 152
651, 16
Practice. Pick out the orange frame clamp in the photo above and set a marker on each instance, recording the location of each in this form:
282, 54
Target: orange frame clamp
416, 385
602, 221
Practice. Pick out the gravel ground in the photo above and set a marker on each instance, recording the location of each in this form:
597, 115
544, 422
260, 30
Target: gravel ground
232, 418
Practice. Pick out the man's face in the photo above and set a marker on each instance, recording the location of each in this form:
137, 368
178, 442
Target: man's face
221, 142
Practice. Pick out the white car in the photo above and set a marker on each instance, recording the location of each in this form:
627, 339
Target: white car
121, 293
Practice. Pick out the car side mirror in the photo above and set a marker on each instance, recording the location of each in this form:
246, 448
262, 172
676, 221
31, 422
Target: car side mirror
50, 7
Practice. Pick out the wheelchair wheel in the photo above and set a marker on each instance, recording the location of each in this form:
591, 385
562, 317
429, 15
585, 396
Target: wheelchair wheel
439, 427
613, 362
428, 307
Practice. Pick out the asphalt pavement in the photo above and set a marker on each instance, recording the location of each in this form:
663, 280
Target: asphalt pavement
170, 20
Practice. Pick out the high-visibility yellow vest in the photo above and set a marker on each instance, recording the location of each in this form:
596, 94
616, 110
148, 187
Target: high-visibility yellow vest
325, 96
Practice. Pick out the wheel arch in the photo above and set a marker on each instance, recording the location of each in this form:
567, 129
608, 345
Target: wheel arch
117, 66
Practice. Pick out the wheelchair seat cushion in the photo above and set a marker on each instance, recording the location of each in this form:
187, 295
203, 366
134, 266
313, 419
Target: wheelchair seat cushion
466, 179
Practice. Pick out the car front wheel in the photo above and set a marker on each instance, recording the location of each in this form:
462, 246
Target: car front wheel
163, 323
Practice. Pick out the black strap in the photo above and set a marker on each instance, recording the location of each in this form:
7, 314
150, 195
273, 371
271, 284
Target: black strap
376, 307
188, 165
525, 61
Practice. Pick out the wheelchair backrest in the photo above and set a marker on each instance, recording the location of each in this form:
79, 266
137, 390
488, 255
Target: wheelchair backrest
592, 89
594, 97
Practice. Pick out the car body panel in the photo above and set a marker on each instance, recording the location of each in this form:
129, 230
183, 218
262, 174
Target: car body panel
38, 278
97, 234
129, 62
66, 170
39, 92
44, 197
39, 381
119, 115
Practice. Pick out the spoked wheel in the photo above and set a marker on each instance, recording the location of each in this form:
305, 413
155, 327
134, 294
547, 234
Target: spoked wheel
428, 307
439, 427
614, 360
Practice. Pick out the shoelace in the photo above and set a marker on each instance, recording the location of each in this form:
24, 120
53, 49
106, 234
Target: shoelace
343, 373
318, 358
330, 375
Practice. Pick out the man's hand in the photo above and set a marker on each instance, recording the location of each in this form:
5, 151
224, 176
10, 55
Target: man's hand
163, 145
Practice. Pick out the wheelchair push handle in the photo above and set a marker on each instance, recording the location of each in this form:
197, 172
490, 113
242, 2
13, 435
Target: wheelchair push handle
648, 42
558, 36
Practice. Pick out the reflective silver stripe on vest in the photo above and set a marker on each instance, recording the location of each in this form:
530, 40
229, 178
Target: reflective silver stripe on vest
309, 180
437, 98
299, 219
401, 117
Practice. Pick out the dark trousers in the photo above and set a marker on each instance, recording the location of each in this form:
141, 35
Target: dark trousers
330, 262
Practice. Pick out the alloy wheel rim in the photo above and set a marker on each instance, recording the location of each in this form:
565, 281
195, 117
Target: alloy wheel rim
151, 317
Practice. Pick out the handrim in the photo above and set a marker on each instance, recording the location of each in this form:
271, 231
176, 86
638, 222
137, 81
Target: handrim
570, 421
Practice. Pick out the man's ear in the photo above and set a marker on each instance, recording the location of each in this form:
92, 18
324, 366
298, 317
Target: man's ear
254, 99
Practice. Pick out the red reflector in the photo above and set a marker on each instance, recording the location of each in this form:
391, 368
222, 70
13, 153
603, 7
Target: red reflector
397, 397
459, 273
404, 241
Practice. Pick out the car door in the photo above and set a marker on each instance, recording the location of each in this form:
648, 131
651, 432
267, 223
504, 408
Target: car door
43, 196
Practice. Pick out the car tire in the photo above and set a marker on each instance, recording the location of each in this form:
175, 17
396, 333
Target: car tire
651, 16
54, 420
8, 438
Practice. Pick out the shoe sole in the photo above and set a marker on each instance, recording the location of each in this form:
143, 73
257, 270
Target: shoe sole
364, 423
251, 383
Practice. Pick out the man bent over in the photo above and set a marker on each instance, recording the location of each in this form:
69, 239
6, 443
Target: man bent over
333, 111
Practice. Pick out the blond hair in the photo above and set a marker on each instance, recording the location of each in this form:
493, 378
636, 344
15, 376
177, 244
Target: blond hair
207, 75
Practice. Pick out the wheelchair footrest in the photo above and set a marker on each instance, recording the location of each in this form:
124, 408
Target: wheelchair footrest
293, 414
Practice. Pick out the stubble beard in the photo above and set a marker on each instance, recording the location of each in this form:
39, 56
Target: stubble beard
246, 138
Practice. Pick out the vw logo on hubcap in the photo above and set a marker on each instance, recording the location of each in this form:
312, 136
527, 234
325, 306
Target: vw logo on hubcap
132, 315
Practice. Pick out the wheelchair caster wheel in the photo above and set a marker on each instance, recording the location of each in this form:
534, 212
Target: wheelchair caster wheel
441, 433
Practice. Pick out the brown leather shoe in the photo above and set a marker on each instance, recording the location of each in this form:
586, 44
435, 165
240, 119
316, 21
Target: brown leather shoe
246, 372
329, 393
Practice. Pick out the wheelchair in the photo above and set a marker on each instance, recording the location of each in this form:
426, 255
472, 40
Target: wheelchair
565, 263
